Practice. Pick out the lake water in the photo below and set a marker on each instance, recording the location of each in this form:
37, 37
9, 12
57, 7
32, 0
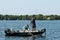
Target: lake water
52, 27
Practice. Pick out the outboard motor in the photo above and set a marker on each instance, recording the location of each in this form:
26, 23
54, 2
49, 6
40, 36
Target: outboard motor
7, 30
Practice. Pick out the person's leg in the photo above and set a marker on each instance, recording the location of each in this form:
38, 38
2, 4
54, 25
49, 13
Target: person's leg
34, 29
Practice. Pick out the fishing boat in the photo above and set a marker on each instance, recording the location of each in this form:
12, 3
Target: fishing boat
9, 32
26, 32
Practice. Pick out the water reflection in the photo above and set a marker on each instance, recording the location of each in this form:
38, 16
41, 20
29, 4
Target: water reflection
35, 37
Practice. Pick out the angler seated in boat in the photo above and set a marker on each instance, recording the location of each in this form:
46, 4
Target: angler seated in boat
25, 28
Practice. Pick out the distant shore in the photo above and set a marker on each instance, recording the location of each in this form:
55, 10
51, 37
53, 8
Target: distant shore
28, 17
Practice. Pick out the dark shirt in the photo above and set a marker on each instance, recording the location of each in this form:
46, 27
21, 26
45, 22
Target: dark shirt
33, 23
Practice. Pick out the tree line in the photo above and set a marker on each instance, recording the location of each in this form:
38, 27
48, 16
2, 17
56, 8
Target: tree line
28, 17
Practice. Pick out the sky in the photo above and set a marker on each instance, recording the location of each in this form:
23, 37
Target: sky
30, 7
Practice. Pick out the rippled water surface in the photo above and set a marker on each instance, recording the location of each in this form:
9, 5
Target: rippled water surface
52, 33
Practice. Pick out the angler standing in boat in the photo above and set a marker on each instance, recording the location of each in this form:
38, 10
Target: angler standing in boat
33, 23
